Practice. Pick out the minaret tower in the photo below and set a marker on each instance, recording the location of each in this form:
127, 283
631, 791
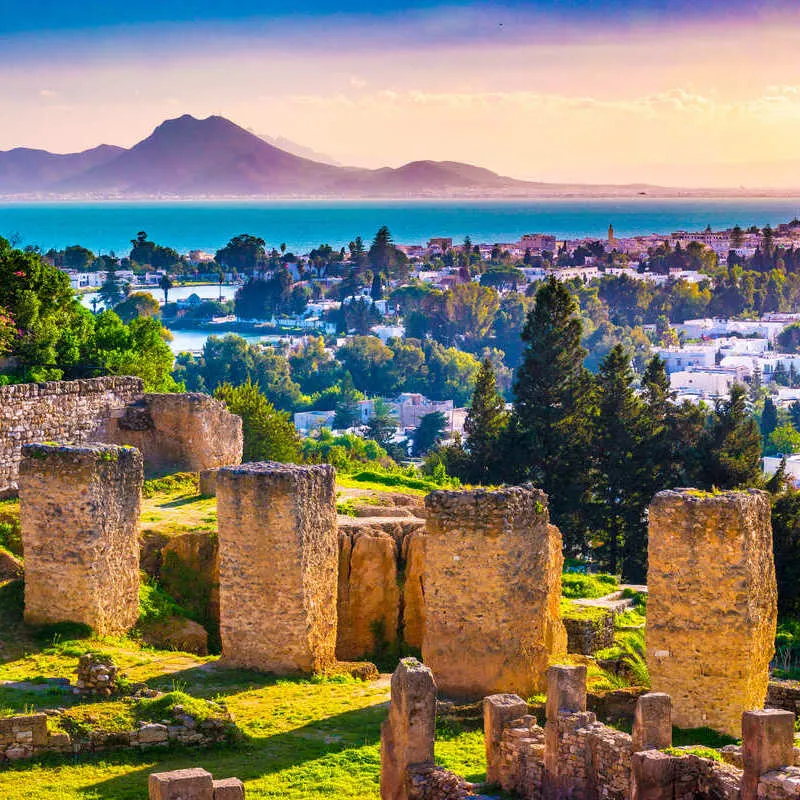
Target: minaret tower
611, 237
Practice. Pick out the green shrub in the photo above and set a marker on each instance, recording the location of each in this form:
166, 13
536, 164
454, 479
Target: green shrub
186, 482
578, 585
156, 605
11, 537
163, 707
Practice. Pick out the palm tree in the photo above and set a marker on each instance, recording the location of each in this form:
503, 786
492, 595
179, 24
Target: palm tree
165, 284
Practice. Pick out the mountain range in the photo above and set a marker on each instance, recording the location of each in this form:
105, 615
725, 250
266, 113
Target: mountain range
213, 157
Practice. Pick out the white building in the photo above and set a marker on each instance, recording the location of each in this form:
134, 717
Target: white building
682, 358
705, 383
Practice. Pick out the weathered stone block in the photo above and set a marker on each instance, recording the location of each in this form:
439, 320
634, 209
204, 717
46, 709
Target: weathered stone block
767, 744
652, 722
79, 509
278, 566
179, 432
414, 589
498, 711
228, 789
208, 482
407, 736
492, 591
566, 691
368, 599
712, 604
653, 776
34, 726
181, 784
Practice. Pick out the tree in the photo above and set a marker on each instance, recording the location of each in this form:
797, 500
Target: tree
137, 304
786, 550
384, 257
549, 426
111, 292
769, 419
165, 284
382, 425
347, 410
617, 463
376, 292
785, 439
485, 424
788, 340
731, 445
77, 257
429, 432
244, 253
269, 434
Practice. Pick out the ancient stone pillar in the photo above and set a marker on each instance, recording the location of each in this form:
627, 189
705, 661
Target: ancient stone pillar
566, 691
278, 558
498, 711
712, 604
407, 736
652, 722
79, 508
492, 591
767, 744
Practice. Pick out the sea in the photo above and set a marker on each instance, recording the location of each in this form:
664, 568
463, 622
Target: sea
106, 227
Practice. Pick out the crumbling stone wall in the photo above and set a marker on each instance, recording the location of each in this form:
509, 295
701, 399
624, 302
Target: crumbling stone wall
492, 591
60, 411
278, 558
711, 609
188, 432
79, 510
179, 432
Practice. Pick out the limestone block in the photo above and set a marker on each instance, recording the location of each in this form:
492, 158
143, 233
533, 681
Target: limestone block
208, 482
492, 591
407, 735
181, 784
652, 722
767, 744
79, 509
413, 622
228, 789
278, 566
566, 691
498, 711
187, 432
153, 733
368, 595
712, 604
653, 776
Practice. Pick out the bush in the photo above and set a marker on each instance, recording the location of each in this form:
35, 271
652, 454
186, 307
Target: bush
577, 585
156, 605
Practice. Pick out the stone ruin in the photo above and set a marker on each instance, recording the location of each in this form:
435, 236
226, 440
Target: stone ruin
712, 604
189, 432
79, 510
278, 558
193, 784
174, 431
575, 756
97, 675
493, 566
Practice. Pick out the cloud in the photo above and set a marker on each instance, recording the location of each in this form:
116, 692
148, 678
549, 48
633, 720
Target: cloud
47, 93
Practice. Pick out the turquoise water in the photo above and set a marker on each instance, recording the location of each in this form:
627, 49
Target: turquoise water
103, 227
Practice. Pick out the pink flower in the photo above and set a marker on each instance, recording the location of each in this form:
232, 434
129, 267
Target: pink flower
20, 274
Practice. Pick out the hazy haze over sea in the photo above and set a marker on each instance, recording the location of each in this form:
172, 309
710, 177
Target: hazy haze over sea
208, 225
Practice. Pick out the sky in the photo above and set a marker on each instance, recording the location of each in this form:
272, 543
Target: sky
659, 91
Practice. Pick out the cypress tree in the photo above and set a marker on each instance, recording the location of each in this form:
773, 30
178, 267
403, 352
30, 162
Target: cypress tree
618, 490
769, 419
484, 426
549, 430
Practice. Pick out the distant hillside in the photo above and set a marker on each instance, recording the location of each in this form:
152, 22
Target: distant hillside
26, 170
213, 157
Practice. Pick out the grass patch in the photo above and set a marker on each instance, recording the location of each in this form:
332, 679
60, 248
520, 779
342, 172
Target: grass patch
179, 483
346, 507
575, 585
156, 605
703, 737
699, 751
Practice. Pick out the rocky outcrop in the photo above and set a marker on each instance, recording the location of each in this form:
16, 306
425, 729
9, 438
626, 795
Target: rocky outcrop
177, 633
